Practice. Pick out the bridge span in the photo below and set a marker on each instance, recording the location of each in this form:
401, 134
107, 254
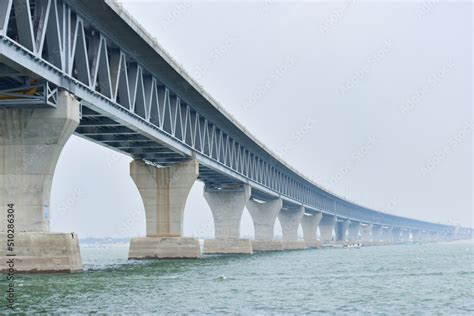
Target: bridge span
88, 68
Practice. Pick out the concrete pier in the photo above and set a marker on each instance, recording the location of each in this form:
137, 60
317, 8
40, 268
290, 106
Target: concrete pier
326, 227
31, 141
366, 234
435, 237
164, 192
227, 207
405, 236
415, 235
164, 248
376, 234
354, 231
264, 215
310, 223
387, 237
341, 229
43, 252
424, 236
290, 221
396, 235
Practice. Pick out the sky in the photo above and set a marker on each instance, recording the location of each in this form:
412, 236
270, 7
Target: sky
370, 100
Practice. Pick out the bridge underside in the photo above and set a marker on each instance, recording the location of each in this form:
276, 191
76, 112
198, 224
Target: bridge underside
102, 129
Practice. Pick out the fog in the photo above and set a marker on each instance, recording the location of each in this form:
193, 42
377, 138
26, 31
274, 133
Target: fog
371, 100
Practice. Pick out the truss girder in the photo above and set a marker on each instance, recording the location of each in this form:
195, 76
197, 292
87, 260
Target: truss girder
128, 106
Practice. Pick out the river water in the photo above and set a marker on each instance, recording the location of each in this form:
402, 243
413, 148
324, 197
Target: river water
415, 279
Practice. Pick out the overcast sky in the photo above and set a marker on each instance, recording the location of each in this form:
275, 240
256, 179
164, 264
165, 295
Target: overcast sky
371, 100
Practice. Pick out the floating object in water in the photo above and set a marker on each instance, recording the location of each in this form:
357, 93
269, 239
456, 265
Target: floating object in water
356, 245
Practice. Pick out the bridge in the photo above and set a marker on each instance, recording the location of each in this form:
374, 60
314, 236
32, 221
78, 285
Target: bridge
88, 68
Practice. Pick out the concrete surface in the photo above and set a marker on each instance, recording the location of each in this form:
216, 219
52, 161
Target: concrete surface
353, 231
227, 246
164, 192
326, 227
164, 248
43, 252
294, 245
290, 221
341, 229
310, 223
264, 245
227, 207
263, 216
31, 141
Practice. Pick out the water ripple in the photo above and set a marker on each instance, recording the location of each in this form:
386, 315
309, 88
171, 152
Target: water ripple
422, 279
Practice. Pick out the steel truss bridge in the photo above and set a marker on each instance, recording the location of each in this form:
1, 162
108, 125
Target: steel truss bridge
137, 100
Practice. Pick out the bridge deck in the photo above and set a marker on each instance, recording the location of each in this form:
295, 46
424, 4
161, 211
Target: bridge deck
136, 99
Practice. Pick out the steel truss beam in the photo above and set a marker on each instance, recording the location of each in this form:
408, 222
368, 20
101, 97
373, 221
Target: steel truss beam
125, 102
